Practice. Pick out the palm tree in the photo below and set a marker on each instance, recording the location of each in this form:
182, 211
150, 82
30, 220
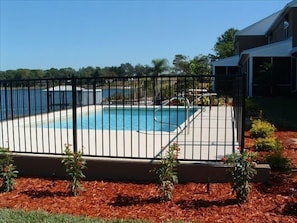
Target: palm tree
159, 66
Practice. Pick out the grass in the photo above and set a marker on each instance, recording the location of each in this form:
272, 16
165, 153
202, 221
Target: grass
281, 111
20, 216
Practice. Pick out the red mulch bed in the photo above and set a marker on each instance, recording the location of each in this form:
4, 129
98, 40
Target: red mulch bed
270, 202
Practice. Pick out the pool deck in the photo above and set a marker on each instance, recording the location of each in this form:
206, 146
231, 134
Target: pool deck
208, 136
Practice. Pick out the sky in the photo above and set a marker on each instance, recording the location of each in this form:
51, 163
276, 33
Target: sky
44, 34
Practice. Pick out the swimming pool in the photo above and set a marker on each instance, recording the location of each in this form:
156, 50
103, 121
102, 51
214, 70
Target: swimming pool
129, 118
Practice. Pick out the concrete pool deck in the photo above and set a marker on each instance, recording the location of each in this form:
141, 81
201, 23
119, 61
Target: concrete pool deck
209, 136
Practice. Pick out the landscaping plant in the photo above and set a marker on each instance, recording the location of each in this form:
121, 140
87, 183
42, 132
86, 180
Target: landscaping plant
75, 164
8, 171
277, 161
242, 172
265, 141
268, 144
167, 172
261, 129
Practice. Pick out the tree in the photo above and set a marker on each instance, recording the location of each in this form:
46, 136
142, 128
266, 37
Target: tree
126, 69
141, 70
159, 66
181, 64
224, 47
86, 72
200, 65
52, 73
67, 72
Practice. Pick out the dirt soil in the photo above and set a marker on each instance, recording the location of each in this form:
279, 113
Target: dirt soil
270, 202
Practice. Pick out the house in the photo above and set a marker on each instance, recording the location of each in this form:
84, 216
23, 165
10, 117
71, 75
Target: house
266, 53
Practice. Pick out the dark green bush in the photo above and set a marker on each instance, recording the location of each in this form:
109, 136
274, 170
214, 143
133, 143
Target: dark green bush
251, 107
278, 162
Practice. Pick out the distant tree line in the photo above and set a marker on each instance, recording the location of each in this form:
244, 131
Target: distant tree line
181, 65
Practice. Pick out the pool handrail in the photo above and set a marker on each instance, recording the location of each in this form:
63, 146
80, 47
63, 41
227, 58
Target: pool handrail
186, 104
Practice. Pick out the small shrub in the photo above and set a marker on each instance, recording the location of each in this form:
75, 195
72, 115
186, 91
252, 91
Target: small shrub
261, 129
242, 172
9, 174
278, 162
75, 165
8, 171
267, 144
167, 172
5, 158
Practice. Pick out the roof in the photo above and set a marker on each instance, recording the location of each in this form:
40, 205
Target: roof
291, 4
64, 88
69, 88
278, 49
263, 26
229, 61
259, 28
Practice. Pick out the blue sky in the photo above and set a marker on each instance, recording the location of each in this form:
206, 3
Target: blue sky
44, 34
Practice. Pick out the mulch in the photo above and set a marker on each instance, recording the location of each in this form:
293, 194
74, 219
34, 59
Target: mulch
275, 201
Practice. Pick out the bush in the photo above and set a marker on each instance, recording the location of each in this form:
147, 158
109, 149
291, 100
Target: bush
167, 172
251, 107
74, 164
268, 144
278, 162
242, 172
261, 129
8, 171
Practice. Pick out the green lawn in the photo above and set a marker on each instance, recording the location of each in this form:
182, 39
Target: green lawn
19, 216
281, 111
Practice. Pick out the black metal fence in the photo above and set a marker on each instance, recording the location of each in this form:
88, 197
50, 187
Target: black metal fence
123, 117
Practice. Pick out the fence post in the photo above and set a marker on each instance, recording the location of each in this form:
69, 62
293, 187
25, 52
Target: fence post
243, 95
74, 118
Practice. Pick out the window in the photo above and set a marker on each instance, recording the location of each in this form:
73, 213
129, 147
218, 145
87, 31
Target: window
286, 27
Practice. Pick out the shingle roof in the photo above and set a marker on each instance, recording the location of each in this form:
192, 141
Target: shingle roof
263, 26
291, 4
229, 61
259, 28
281, 49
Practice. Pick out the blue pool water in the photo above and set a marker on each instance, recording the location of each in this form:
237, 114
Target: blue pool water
132, 119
